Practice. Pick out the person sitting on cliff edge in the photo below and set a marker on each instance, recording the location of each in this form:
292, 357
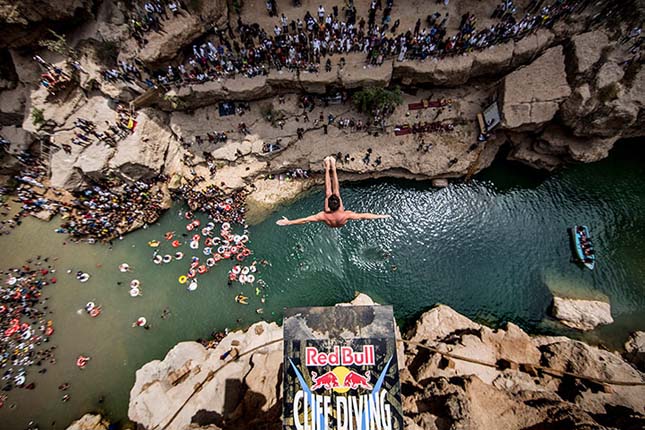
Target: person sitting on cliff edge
334, 214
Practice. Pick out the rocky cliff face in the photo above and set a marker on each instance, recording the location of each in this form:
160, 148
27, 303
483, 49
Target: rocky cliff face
439, 392
565, 94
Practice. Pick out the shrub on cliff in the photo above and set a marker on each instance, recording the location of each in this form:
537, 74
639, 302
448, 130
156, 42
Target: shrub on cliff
376, 99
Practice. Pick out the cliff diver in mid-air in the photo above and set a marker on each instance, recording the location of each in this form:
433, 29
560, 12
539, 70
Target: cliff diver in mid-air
334, 214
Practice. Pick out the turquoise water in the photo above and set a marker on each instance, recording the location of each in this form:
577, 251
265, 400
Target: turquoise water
493, 249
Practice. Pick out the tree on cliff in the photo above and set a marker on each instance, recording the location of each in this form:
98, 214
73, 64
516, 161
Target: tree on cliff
376, 99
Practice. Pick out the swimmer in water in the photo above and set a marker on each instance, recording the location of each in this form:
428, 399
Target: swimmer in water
334, 214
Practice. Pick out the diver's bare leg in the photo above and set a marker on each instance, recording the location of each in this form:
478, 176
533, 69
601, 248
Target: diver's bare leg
328, 187
335, 185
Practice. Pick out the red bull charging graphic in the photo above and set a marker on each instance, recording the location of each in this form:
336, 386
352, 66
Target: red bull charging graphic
337, 377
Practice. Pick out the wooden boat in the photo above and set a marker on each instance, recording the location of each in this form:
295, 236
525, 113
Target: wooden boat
579, 235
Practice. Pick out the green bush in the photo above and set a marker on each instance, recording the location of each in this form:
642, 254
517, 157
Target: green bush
369, 99
37, 117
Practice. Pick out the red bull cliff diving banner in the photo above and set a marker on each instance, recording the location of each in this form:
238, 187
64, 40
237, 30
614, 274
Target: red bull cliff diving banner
340, 369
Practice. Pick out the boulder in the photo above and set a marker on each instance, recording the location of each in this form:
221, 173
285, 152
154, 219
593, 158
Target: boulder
635, 349
531, 96
142, 154
581, 314
90, 422
586, 49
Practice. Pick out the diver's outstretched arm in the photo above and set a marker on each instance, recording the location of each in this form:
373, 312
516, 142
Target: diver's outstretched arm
367, 216
313, 218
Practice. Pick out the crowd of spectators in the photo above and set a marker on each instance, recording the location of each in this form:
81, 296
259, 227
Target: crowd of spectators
306, 43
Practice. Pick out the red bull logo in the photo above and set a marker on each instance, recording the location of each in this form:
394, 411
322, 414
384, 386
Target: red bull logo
341, 380
327, 380
354, 380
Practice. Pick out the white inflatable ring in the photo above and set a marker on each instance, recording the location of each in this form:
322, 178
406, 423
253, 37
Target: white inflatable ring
194, 244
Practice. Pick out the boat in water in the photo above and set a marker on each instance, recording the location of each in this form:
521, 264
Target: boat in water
582, 246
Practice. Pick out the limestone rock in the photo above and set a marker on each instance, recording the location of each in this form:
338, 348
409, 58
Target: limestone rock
357, 76
64, 175
610, 73
244, 88
447, 330
90, 422
581, 314
142, 154
12, 105
162, 386
582, 359
178, 32
556, 140
531, 95
579, 104
19, 138
23, 21
469, 403
282, 80
94, 159
528, 47
316, 83
635, 349
586, 49
449, 71
268, 194
494, 60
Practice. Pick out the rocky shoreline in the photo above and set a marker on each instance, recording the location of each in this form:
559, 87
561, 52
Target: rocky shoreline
439, 392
